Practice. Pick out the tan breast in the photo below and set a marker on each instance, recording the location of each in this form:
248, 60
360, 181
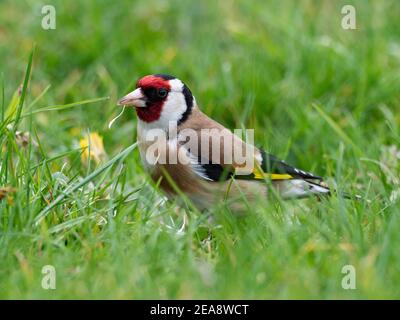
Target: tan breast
178, 176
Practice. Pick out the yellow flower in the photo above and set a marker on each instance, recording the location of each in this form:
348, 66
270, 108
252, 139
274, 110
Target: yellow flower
93, 144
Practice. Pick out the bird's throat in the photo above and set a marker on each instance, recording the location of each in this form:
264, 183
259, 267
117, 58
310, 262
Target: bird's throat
150, 113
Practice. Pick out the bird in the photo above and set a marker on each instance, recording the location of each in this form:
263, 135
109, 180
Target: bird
161, 100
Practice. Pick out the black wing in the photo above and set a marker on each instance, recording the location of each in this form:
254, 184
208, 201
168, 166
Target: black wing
271, 164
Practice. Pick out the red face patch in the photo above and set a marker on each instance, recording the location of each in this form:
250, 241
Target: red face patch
153, 82
151, 113
150, 86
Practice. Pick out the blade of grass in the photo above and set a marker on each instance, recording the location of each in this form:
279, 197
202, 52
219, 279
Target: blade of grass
24, 88
56, 157
2, 97
29, 177
39, 97
65, 106
336, 128
42, 214
71, 223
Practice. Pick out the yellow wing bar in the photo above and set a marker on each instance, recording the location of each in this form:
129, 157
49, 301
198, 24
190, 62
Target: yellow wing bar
259, 174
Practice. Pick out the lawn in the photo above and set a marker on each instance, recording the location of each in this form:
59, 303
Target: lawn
74, 197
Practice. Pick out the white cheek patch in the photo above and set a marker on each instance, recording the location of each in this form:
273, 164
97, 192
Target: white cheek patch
173, 108
176, 85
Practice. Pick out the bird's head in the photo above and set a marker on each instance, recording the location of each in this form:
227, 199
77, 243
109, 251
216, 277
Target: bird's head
159, 99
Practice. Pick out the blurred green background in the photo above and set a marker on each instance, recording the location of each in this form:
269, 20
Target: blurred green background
324, 98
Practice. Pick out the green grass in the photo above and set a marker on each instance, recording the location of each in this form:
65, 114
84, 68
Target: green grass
324, 98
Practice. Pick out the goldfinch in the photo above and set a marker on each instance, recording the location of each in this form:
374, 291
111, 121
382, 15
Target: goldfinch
161, 100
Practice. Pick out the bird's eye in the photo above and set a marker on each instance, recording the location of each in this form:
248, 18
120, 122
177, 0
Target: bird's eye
162, 93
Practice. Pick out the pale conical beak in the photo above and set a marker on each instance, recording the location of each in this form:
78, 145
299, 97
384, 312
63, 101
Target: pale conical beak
136, 98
